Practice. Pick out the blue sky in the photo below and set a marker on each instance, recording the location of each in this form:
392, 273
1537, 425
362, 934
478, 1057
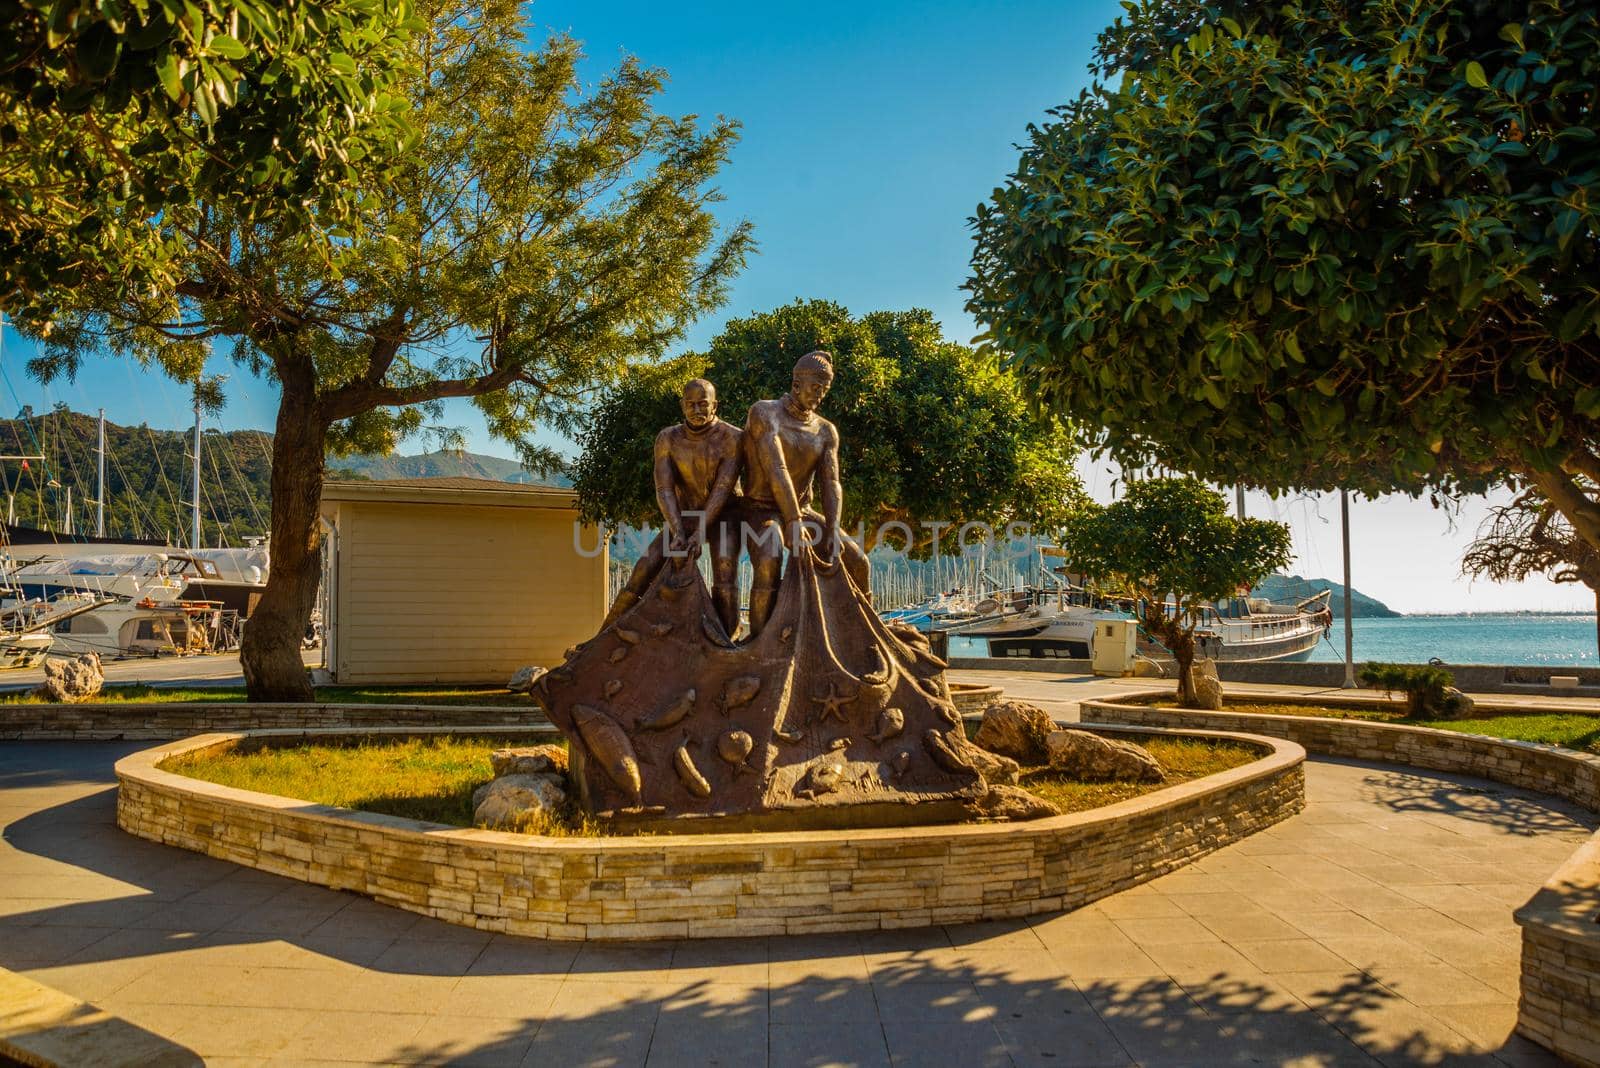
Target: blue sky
871, 132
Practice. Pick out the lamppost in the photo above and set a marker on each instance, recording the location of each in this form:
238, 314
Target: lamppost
1349, 626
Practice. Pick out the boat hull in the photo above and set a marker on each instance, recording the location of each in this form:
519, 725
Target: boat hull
1039, 648
1290, 647
24, 650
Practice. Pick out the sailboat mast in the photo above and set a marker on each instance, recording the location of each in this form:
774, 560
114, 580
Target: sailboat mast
194, 535
100, 481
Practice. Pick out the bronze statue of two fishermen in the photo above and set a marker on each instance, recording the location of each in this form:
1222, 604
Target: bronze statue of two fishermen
785, 450
822, 715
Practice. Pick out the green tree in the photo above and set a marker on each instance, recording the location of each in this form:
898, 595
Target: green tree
1319, 244
929, 431
1170, 544
113, 112
535, 240
1530, 537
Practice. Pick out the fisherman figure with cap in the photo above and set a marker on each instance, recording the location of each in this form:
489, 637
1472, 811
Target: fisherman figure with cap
787, 449
696, 467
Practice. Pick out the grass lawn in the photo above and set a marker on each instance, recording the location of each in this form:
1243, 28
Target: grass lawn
346, 695
1182, 758
1573, 730
433, 778
419, 778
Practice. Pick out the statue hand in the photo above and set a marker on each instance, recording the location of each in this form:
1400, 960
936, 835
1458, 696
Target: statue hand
797, 534
830, 547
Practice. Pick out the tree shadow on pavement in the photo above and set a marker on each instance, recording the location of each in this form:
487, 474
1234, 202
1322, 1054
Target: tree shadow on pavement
363, 982
1507, 809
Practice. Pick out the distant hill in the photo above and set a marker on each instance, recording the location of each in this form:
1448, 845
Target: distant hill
444, 463
149, 477
1287, 589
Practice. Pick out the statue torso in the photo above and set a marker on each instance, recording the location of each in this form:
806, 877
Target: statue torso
696, 458
802, 444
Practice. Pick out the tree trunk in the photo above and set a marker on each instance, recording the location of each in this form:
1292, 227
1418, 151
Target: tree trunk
270, 650
1180, 643
1183, 653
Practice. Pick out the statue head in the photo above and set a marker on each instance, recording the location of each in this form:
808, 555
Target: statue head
813, 374
699, 403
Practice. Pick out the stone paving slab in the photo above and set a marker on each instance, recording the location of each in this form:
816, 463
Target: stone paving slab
42, 1026
1375, 929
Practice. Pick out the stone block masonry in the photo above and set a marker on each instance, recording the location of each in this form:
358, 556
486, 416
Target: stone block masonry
1560, 997
679, 886
102, 721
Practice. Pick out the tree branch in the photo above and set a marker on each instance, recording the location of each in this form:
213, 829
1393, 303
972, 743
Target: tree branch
358, 397
1563, 491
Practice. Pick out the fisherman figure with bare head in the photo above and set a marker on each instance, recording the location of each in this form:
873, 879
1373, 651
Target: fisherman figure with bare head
696, 465
787, 449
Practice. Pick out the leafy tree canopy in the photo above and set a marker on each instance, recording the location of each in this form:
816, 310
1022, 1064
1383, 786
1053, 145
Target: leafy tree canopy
1319, 243
1173, 537
929, 431
536, 239
114, 111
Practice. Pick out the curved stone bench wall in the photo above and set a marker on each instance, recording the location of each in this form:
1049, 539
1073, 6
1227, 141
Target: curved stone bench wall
1560, 1003
101, 721
673, 886
971, 698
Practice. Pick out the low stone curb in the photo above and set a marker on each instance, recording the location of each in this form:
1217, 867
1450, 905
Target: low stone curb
677, 886
1560, 1003
105, 721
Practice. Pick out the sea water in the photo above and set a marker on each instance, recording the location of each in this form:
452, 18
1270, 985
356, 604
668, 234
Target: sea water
1469, 639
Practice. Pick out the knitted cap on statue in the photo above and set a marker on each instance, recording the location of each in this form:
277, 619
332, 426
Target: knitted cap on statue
826, 718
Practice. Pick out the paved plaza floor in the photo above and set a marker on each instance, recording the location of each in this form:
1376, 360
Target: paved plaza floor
1375, 928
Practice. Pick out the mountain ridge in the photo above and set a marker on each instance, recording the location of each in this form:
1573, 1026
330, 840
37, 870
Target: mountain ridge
149, 477
1287, 589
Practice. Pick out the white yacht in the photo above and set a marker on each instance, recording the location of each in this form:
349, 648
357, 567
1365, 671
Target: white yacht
27, 625
1047, 630
1241, 629
146, 627
143, 604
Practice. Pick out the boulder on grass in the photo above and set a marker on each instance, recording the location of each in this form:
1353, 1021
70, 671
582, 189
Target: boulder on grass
1203, 681
512, 800
524, 679
1457, 705
75, 678
1091, 758
1013, 803
529, 760
995, 769
1015, 729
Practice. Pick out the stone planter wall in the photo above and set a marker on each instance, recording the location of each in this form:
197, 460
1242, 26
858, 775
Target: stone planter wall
115, 720
710, 885
1560, 1003
971, 699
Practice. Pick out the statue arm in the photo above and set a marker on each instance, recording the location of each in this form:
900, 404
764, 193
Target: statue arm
722, 484
769, 451
830, 492
667, 488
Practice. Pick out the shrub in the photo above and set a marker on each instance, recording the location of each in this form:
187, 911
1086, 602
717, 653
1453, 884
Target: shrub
1425, 686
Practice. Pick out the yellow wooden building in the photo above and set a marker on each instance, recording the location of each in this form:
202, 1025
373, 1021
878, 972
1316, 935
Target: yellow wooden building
454, 580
